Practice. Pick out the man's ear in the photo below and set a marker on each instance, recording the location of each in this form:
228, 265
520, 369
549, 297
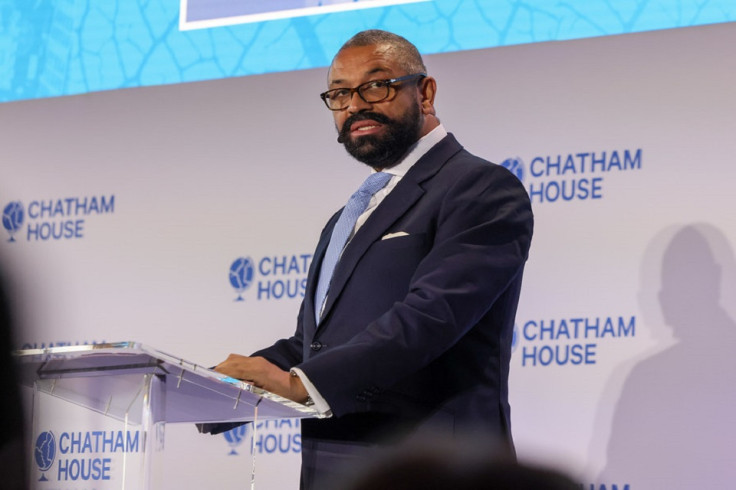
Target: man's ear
427, 91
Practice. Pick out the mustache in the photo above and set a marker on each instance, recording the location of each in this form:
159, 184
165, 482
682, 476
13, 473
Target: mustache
342, 136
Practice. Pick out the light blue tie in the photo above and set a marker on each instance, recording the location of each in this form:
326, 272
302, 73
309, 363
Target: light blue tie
342, 230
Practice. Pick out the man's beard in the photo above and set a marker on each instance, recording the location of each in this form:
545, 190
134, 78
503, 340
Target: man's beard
382, 151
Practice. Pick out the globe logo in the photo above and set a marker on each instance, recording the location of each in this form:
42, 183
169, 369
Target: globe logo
45, 452
516, 166
241, 275
235, 437
13, 215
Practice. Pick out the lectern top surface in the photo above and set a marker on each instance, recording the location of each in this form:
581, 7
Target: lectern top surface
100, 376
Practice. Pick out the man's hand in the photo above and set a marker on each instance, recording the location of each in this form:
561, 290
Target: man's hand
263, 374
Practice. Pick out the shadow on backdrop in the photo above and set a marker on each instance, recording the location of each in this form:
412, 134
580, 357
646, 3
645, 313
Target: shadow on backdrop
673, 426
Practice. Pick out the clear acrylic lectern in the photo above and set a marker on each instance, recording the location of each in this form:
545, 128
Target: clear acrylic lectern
99, 411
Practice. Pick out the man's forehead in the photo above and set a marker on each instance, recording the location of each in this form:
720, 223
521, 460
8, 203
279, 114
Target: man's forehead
361, 61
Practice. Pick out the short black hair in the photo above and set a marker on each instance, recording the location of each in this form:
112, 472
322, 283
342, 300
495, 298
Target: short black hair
407, 55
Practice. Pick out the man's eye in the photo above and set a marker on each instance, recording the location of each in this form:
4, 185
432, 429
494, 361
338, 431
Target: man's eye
376, 84
339, 93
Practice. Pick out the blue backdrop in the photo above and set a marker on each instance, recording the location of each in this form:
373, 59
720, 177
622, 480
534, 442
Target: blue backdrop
62, 47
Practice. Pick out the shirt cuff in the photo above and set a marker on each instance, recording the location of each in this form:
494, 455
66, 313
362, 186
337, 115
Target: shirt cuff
319, 403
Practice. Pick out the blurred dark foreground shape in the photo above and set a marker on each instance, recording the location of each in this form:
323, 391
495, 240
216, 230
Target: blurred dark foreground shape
12, 450
455, 465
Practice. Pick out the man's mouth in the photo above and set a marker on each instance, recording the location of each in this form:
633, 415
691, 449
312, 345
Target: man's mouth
364, 127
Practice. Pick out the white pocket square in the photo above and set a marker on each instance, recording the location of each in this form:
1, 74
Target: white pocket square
394, 235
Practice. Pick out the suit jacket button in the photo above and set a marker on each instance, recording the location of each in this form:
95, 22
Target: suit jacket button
316, 345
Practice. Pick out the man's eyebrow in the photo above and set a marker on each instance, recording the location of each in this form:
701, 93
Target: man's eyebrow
339, 81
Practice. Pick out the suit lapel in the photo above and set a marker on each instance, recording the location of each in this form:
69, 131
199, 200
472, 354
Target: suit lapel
393, 207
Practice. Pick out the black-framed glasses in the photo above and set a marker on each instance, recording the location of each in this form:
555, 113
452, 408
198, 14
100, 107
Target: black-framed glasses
338, 99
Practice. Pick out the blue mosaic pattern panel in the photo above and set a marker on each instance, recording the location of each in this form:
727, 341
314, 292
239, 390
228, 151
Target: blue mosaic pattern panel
52, 48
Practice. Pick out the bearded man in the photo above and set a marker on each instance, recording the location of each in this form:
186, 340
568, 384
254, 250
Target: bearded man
408, 315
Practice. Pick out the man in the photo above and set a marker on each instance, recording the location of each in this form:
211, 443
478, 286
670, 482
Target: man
412, 331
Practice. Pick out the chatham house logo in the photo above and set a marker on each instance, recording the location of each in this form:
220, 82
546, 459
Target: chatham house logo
265, 437
242, 272
572, 176
235, 437
13, 216
516, 166
271, 277
45, 452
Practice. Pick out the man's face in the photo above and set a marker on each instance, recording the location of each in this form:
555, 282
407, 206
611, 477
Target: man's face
379, 133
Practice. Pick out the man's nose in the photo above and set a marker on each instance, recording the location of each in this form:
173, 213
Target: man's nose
357, 103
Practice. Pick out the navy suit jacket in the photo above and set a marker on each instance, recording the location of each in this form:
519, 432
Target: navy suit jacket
417, 327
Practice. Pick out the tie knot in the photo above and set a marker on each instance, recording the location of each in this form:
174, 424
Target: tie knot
374, 183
